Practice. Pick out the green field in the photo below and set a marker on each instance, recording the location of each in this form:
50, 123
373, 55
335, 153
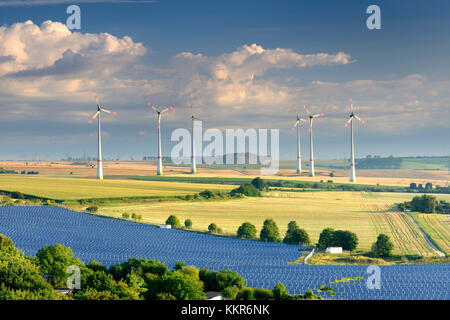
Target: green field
436, 226
75, 188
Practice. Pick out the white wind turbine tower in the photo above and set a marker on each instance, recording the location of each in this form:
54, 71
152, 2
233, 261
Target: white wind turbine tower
97, 114
311, 147
297, 124
159, 170
194, 163
352, 152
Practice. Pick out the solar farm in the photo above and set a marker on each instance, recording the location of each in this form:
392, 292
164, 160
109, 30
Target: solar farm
113, 241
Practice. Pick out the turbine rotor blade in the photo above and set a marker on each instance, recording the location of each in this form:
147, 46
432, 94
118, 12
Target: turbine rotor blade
168, 109
306, 109
351, 103
93, 117
318, 115
348, 122
363, 122
295, 124
152, 106
110, 112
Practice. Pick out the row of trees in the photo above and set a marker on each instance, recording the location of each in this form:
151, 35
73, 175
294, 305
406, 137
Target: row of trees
38, 278
426, 204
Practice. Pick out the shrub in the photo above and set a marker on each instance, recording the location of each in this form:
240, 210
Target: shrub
246, 230
17, 195
262, 294
280, 292
230, 293
213, 228
383, 246
219, 280
245, 294
269, 231
259, 184
247, 189
173, 221
125, 215
207, 194
92, 209
188, 223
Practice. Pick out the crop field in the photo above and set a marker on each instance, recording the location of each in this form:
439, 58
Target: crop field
75, 188
437, 226
366, 214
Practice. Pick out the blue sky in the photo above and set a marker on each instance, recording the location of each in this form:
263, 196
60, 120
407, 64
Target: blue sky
398, 76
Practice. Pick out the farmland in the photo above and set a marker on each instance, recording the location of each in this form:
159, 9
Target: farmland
435, 226
74, 188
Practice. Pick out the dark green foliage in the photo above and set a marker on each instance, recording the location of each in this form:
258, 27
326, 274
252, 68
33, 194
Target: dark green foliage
96, 266
177, 284
188, 223
248, 190
295, 235
269, 231
280, 292
173, 221
92, 209
54, 261
345, 239
383, 246
138, 266
339, 238
230, 293
246, 230
213, 228
179, 265
259, 184
245, 294
207, 194
219, 280
262, 294
425, 204
17, 195
326, 238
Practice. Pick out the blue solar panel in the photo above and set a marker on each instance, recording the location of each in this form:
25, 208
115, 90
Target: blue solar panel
113, 241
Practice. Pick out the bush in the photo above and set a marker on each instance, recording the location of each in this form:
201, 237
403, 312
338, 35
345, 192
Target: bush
248, 190
219, 280
17, 195
262, 294
259, 184
246, 230
230, 293
173, 221
188, 223
383, 246
245, 294
92, 209
213, 228
125, 215
295, 235
269, 231
280, 292
189, 197
207, 194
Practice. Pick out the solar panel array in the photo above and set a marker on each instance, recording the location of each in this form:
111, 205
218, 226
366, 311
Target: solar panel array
113, 241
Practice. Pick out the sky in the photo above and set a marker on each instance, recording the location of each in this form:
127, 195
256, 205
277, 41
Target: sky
240, 64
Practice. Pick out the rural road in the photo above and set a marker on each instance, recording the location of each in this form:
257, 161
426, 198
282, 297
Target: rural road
425, 237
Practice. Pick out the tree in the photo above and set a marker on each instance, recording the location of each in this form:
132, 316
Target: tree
345, 239
219, 280
17, 195
260, 184
54, 260
326, 238
383, 246
295, 235
246, 230
269, 231
188, 223
247, 189
424, 203
173, 221
428, 186
213, 228
207, 194
413, 186
280, 292
176, 283
92, 209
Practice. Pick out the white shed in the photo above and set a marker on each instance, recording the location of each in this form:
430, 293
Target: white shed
165, 226
334, 250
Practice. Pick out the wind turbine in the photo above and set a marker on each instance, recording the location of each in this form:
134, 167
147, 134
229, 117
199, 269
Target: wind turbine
311, 147
159, 170
194, 164
97, 114
352, 152
297, 124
